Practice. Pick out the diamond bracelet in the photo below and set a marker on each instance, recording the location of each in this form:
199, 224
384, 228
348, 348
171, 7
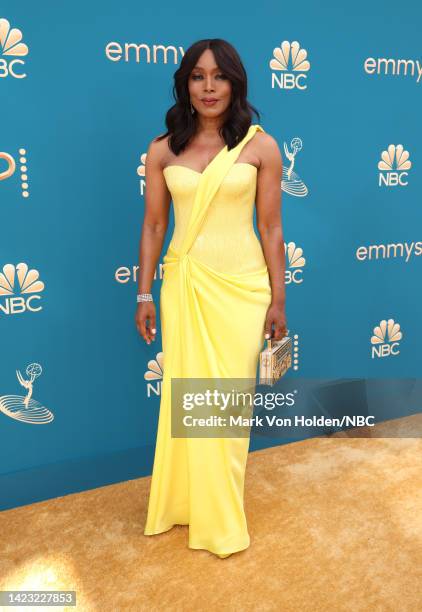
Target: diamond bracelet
144, 297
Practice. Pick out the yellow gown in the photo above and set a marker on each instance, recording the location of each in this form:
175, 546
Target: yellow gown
213, 301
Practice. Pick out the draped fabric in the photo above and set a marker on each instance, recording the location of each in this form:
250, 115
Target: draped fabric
213, 301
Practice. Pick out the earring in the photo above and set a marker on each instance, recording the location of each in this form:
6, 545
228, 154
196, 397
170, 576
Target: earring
192, 110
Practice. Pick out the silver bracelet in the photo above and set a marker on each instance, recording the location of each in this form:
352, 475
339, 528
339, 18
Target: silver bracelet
144, 297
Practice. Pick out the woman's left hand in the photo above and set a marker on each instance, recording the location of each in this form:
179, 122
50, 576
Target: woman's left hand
276, 316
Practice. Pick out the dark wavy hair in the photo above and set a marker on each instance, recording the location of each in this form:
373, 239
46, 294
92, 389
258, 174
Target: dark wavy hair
182, 124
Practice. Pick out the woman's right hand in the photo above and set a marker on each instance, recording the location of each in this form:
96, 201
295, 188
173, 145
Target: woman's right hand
145, 311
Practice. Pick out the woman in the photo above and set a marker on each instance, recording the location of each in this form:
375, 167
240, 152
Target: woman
222, 289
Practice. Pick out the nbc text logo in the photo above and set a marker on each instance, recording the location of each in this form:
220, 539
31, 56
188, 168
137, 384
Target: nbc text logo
294, 263
393, 165
154, 375
291, 66
141, 172
19, 279
385, 341
11, 48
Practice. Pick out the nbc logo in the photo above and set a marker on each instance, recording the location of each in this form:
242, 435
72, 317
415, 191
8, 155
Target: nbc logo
154, 375
294, 263
385, 341
140, 171
19, 279
11, 46
393, 165
290, 66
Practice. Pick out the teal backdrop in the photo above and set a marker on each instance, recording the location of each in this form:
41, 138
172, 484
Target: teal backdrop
84, 88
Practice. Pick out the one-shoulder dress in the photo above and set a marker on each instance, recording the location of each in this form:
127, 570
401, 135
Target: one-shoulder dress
213, 301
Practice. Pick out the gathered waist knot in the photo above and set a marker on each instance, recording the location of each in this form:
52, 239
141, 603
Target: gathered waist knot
174, 257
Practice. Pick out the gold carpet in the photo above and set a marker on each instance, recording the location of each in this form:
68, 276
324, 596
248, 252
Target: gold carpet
335, 524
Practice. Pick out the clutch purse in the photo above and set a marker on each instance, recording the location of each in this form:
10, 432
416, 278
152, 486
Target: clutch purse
274, 360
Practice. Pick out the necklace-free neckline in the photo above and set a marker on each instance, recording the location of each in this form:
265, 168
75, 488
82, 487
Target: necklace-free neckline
201, 173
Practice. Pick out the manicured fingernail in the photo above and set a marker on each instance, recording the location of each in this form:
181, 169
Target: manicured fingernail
267, 336
153, 330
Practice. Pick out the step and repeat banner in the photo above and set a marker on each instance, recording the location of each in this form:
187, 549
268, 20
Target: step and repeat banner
84, 88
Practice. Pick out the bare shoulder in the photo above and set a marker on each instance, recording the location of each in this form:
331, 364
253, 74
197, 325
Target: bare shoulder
158, 150
268, 150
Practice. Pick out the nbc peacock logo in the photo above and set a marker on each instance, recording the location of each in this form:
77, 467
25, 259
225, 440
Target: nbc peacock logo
290, 66
12, 50
385, 339
25, 408
19, 289
295, 263
393, 166
154, 375
140, 171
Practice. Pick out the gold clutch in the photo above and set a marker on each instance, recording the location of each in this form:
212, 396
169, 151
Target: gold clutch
274, 360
